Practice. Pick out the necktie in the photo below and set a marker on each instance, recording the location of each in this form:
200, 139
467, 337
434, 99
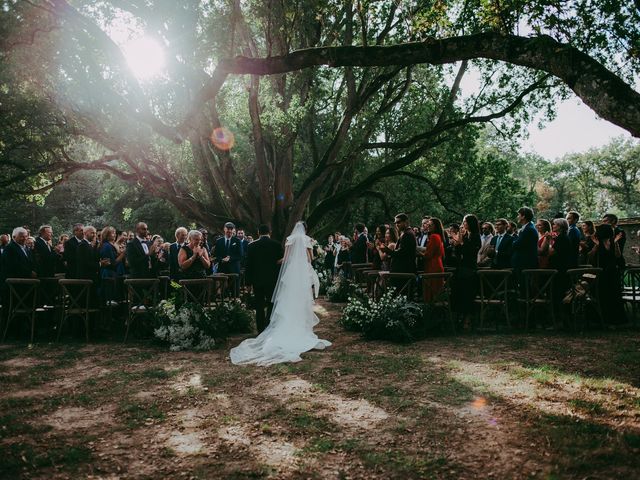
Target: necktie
498, 241
227, 247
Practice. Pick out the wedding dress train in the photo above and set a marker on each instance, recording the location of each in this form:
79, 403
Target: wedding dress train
290, 330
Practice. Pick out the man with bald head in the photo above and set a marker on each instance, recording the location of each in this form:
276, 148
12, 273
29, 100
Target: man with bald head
139, 253
174, 249
17, 260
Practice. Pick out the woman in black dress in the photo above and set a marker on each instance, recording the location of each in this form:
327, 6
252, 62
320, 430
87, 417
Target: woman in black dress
605, 255
193, 257
466, 245
560, 259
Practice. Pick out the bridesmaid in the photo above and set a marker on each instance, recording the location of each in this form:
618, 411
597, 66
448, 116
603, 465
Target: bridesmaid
466, 244
433, 257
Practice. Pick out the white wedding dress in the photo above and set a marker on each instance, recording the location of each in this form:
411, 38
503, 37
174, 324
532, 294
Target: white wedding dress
290, 330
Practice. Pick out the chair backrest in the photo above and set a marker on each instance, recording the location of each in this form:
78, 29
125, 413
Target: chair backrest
587, 278
539, 283
23, 293
633, 277
197, 290
405, 283
444, 294
218, 287
494, 284
75, 293
142, 291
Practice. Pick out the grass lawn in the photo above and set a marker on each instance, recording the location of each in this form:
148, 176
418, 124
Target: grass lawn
483, 406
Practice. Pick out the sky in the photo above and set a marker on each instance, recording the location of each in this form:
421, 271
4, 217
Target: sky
576, 128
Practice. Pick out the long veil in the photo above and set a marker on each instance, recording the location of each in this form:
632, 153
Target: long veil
290, 330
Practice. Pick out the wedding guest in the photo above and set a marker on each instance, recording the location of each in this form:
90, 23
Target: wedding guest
403, 257
586, 244
174, 267
433, 259
513, 229
525, 246
193, 257
466, 244
111, 260
545, 240
560, 258
243, 244
228, 251
385, 248
359, 248
71, 249
501, 246
4, 241
612, 219
329, 253
423, 236
17, 260
343, 261
605, 255
88, 257
45, 255
159, 258
450, 259
485, 244
575, 237
30, 243
139, 253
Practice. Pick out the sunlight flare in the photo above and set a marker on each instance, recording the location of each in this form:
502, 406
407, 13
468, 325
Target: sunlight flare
145, 57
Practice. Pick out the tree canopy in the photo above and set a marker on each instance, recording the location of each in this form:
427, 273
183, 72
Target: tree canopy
308, 140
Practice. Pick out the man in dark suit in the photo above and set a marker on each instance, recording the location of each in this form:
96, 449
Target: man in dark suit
87, 257
70, 250
403, 258
501, 246
525, 248
46, 257
174, 249
263, 264
244, 243
17, 261
359, 248
612, 219
228, 254
139, 253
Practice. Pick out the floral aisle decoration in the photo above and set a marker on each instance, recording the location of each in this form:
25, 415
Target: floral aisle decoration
340, 290
190, 326
392, 317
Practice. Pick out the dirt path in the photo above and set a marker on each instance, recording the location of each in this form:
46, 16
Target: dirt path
508, 406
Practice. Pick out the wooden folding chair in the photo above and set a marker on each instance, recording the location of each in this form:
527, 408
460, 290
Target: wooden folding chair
494, 292
75, 301
23, 295
404, 283
218, 287
584, 291
538, 291
197, 291
442, 300
142, 298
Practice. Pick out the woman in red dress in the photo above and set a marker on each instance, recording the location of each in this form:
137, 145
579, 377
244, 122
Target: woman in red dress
433, 256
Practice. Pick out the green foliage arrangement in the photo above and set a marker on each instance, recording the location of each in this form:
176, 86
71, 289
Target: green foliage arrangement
190, 326
340, 290
392, 317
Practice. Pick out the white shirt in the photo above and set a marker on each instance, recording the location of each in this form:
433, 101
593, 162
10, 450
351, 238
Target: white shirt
145, 247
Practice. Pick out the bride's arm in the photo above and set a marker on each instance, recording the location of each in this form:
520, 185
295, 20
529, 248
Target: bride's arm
310, 255
286, 255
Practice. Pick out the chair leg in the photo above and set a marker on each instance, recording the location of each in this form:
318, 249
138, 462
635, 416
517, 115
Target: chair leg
6, 328
33, 324
63, 317
86, 327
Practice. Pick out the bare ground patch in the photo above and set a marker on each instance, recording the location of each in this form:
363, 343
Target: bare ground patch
486, 406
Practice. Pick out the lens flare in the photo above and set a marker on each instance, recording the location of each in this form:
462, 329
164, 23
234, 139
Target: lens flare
222, 138
479, 402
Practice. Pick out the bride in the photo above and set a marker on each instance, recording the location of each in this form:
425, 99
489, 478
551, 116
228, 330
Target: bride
290, 331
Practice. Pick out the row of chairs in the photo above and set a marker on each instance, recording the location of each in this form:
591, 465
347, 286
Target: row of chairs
75, 298
497, 290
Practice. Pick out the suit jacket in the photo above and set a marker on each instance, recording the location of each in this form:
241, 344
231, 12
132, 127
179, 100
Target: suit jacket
525, 248
174, 266
15, 264
70, 255
502, 258
139, 262
403, 258
87, 262
359, 250
574, 238
262, 262
234, 252
46, 258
